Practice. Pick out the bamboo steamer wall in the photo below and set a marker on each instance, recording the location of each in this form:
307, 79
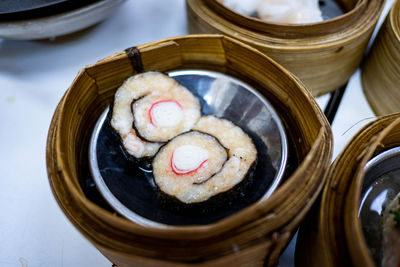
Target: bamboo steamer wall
381, 72
331, 235
255, 235
323, 55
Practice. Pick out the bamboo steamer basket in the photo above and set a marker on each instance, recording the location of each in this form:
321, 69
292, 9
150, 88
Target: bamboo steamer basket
323, 55
253, 236
332, 235
380, 74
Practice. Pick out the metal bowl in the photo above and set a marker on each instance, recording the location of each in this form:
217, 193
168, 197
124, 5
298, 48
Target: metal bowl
381, 185
130, 189
59, 24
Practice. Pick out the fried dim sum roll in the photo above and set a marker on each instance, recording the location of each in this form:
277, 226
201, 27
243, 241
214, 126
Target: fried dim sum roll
196, 166
151, 108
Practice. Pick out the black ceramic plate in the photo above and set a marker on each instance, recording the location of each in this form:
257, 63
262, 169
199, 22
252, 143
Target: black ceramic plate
129, 187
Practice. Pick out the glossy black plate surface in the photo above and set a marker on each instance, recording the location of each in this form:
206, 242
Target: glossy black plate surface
129, 187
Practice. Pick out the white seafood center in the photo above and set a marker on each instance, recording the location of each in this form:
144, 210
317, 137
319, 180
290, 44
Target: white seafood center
278, 11
166, 113
188, 158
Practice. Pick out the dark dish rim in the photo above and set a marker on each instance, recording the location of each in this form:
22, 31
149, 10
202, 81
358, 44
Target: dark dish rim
376, 167
136, 218
43, 10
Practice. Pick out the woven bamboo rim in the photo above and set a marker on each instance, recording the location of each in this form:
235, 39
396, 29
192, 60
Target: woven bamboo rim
323, 55
255, 235
338, 240
380, 74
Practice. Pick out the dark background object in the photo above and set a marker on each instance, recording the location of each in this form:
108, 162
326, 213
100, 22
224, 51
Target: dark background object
12, 6
29, 9
333, 103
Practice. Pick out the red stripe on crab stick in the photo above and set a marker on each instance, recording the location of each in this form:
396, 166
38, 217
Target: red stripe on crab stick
183, 173
159, 102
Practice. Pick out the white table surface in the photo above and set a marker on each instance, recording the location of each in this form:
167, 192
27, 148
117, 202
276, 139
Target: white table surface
33, 77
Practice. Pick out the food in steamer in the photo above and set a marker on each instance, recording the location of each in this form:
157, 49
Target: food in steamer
195, 158
151, 108
278, 11
206, 173
183, 166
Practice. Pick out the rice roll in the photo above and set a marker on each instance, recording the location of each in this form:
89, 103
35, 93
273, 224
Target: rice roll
198, 165
391, 234
244, 7
278, 11
290, 11
151, 108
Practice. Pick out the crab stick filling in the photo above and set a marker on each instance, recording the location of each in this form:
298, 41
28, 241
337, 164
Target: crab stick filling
166, 113
184, 165
161, 116
187, 159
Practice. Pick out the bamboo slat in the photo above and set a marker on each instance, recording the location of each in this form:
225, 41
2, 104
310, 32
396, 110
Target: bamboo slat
331, 235
380, 74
